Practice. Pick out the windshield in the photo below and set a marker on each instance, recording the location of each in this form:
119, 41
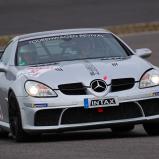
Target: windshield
68, 48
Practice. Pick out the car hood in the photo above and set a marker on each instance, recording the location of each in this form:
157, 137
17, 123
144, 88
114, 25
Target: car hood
84, 71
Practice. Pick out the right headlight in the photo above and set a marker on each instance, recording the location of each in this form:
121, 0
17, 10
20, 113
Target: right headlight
149, 79
37, 89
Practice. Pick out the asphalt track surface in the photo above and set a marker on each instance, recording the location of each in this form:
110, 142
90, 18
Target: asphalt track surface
23, 16
94, 144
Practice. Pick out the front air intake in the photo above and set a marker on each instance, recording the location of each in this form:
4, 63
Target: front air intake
122, 84
73, 89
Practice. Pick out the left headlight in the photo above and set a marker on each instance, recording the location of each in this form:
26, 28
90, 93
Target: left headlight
149, 79
37, 89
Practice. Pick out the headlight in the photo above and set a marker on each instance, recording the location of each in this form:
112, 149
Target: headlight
149, 79
37, 89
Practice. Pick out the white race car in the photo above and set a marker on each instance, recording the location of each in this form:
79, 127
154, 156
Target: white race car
76, 79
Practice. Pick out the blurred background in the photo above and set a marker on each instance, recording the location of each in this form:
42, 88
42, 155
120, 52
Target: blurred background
23, 16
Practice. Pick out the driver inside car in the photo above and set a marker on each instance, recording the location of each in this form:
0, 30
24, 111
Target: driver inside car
27, 55
85, 47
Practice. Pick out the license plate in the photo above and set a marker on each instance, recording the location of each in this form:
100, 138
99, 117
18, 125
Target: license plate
98, 102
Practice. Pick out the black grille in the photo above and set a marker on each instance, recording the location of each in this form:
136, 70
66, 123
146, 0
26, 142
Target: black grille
73, 89
47, 117
150, 106
122, 84
81, 115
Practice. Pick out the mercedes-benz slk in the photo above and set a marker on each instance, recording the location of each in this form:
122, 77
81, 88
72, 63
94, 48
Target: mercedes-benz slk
76, 79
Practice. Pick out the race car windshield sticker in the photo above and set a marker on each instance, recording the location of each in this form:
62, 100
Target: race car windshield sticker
66, 37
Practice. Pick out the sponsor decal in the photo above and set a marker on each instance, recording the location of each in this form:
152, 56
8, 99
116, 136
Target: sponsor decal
97, 102
92, 69
39, 105
93, 103
58, 69
114, 64
37, 71
64, 37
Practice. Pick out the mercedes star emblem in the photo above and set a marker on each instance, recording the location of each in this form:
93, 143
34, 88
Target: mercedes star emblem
98, 85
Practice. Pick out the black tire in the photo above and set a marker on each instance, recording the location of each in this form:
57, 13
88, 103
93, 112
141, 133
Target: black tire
3, 133
122, 129
152, 129
17, 131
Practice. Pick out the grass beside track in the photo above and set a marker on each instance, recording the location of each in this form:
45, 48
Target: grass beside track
134, 28
118, 29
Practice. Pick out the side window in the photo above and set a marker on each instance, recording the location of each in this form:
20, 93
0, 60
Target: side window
6, 55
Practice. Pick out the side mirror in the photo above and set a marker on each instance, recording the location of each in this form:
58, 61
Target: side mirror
143, 52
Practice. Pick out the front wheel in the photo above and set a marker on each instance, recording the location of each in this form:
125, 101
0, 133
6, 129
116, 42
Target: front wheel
152, 129
3, 133
15, 120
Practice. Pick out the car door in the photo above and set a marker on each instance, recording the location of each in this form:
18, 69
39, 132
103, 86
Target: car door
5, 82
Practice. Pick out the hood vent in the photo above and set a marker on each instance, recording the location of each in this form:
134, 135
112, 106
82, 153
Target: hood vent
73, 89
122, 84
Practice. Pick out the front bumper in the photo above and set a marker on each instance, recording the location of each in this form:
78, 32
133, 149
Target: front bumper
68, 113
